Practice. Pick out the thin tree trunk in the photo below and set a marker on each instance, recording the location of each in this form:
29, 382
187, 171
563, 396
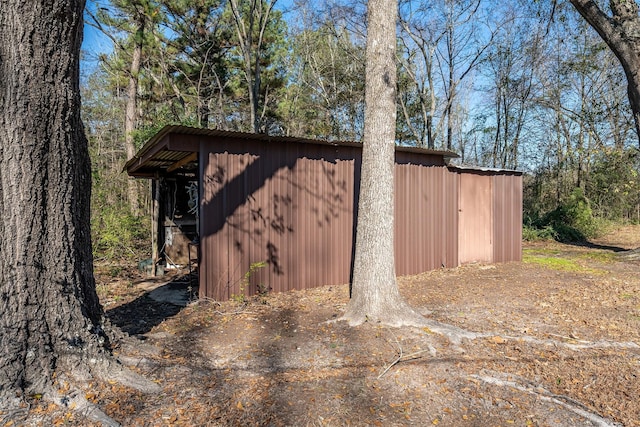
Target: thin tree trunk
375, 295
452, 88
258, 19
131, 113
50, 315
245, 41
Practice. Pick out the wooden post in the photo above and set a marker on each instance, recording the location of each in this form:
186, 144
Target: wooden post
155, 220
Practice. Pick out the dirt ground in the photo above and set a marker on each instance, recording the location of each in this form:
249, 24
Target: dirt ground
550, 341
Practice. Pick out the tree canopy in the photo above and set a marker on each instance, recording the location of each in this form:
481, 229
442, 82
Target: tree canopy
515, 85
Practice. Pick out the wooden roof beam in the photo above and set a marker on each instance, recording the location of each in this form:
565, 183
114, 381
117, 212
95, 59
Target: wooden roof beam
177, 165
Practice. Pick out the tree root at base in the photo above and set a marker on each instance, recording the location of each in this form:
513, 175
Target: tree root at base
76, 402
401, 315
107, 370
73, 376
545, 395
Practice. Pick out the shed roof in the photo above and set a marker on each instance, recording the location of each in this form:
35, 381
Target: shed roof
175, 147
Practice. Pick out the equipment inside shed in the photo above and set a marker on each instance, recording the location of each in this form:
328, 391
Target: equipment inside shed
178, 220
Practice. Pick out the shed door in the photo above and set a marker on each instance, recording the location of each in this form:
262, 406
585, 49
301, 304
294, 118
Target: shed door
474, 219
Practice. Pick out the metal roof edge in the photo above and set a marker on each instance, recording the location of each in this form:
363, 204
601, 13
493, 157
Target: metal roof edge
181, 129
484, 169
167, 129
419, 150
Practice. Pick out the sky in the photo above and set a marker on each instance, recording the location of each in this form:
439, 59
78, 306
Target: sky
94, 41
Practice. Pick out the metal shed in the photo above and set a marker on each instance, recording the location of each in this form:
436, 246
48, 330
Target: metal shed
284, 208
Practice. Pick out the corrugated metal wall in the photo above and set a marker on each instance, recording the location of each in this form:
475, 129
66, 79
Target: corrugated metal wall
507, 217
292, 206
290, 209
425, 206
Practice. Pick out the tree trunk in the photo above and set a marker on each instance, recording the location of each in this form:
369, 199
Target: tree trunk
50, 316
258, 18
131, 111
452, 84
375, 295
621, 32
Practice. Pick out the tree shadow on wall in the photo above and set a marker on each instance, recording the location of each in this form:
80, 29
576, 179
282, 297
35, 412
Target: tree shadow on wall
232, 199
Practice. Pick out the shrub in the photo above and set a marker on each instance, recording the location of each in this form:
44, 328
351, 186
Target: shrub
532, 234
573, 221
117, 234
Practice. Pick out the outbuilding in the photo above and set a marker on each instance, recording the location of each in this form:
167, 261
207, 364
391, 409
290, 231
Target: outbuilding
258, 213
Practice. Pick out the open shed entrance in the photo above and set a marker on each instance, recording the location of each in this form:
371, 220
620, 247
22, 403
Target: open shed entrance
178, 219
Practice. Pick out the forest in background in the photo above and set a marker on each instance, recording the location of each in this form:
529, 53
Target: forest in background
513, 85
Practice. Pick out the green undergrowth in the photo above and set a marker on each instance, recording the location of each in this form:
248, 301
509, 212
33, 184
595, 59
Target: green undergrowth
595, 255
558, 263
542, 252
572, 221
604, 257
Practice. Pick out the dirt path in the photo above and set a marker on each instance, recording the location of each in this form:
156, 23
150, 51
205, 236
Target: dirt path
551, 341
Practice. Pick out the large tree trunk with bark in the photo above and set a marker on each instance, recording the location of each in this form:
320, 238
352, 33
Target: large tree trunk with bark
50, 315
621, 32
375, 295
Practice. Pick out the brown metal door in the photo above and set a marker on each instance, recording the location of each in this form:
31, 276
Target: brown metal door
474, 215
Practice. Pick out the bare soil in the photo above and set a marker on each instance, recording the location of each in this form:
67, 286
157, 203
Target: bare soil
550, 341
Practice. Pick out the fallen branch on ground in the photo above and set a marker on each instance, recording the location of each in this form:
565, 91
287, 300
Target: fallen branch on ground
402, 358
406, 358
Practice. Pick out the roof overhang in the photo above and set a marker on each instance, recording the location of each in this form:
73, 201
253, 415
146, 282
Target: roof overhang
164, 153
174, 149
466, 168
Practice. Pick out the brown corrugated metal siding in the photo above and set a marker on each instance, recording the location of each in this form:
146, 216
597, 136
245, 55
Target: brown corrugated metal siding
425, 205
291, 206
291, 203
507, 217
288, 206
